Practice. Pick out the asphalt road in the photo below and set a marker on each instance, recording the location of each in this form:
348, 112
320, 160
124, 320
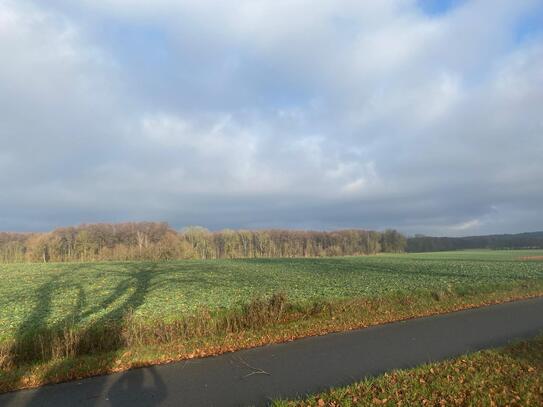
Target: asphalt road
256, 376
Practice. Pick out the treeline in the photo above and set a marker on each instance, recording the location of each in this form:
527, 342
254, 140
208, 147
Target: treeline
157, 241
532, 240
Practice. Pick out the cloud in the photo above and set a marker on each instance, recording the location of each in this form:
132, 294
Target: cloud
263, 113
469, 225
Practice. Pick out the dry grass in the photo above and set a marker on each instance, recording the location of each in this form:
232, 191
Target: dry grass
531, 258
70, 341
509, 376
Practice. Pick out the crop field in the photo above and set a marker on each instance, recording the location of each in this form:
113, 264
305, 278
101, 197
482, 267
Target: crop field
34, 295
126, 314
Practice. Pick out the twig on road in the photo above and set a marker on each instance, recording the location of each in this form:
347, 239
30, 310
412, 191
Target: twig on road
255, 370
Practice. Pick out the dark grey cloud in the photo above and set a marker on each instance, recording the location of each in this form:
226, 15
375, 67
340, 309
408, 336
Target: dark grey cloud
272, 114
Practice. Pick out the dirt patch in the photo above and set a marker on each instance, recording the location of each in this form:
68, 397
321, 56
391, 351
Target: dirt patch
531, 258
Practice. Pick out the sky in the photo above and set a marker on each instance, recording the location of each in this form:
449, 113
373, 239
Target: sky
424, 116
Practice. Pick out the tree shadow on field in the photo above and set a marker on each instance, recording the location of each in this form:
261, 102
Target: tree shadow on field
93, 335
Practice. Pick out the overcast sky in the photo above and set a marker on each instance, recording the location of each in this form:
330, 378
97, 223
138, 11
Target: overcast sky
426, 116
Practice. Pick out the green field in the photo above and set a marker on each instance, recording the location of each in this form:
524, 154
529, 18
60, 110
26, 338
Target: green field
68, 320
36, 295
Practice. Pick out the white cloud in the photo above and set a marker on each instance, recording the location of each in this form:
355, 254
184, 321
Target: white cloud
469, 225
327, 113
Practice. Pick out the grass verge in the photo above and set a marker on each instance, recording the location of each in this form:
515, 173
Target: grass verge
67, 353
509, 376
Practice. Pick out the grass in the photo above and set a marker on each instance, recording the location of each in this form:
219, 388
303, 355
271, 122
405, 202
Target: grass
509, 376
62, 321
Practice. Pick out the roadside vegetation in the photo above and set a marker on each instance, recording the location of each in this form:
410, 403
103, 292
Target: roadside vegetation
509, 376
69, 320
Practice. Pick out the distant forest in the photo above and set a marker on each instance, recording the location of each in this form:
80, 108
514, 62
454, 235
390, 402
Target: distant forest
533, 240
157, 241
